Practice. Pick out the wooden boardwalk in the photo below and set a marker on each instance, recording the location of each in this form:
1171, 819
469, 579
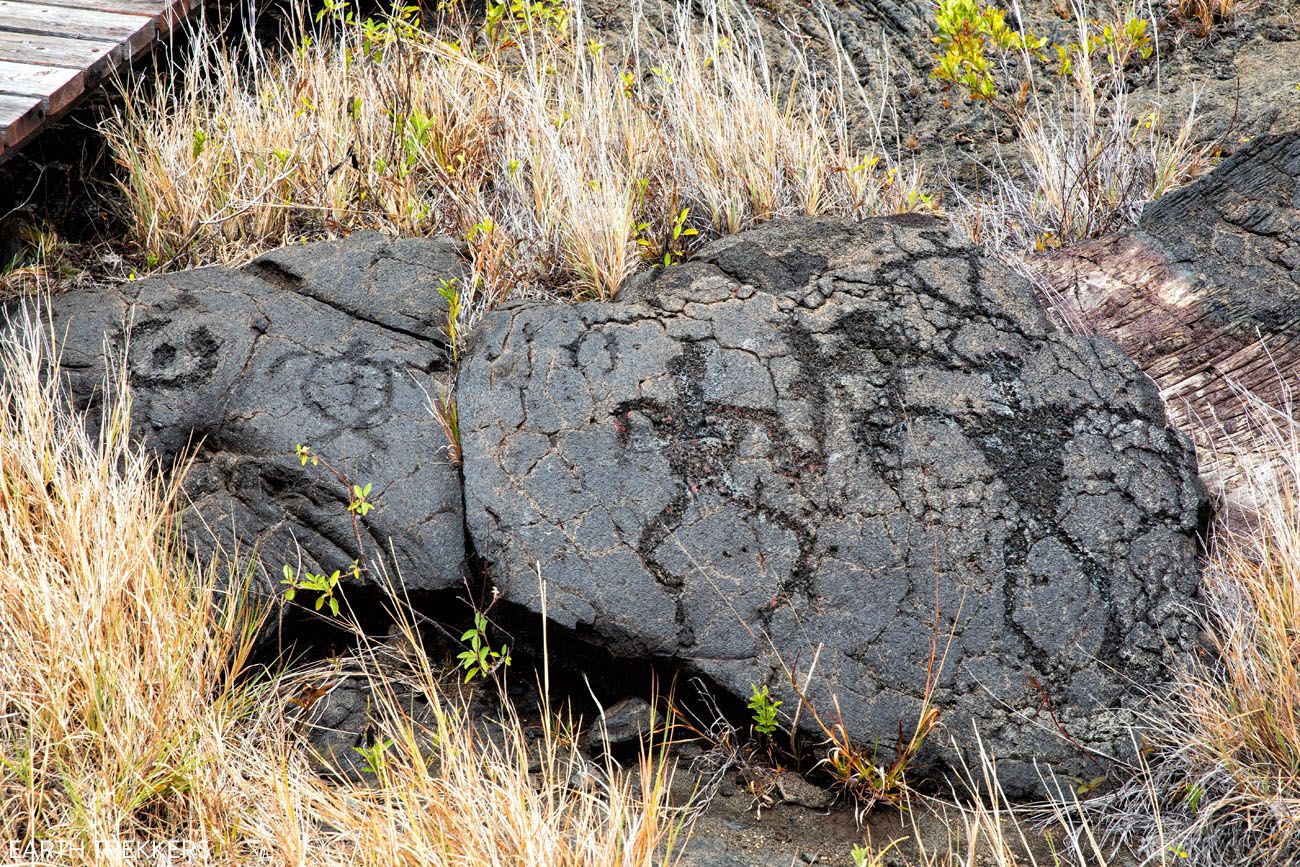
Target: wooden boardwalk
53, 51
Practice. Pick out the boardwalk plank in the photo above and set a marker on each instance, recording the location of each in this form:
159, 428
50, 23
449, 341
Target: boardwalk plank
129, 7
57, 50
167, 13
91, 24
51, 51
49, 82
20, 116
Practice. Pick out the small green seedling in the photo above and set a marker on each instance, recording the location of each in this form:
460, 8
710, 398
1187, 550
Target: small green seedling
360, 504
323, 585
450, 291
1087, 787
1195, 792
865, 857
764, 708
481, 660
373, 756
484, 227
680, 231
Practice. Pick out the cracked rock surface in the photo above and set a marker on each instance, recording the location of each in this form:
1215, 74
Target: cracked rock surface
816, 440
337, 345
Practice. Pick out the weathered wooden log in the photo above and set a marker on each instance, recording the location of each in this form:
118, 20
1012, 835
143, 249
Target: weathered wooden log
1205, 296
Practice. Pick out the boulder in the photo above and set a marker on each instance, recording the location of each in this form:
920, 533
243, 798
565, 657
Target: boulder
856, 455
337, 345
626, 724
1205, 296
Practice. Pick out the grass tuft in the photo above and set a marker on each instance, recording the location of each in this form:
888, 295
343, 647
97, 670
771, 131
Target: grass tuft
1085, 156
1203, 17
565, 162
131, 717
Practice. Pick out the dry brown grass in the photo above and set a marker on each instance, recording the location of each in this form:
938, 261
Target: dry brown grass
983, 828
115, 677
129, 716
565, 162
43, 258
1202, 17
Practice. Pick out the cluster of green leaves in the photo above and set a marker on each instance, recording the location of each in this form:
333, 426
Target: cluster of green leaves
322, 585
416, 128
326, 586
360, 503
376, 35
972, 36
976, 42
450, 291
523, 14
374, 760
680, 232
1120, 42
764, 708
670, 247
480, 660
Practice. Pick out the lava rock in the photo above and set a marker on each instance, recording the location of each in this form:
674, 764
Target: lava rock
794, 789
1236, 233
339, 723
624, 724
337, 345
859, 445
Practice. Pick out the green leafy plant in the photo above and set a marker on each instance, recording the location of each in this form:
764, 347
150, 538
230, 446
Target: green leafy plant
416, 130
1195, 792
1082, 161
501, 16
450, 291
676, 249
480, 660
483, 228
973, 36
320, 584
339, 10
764, 708
865, 856
360, 503
979, 50
373, 756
